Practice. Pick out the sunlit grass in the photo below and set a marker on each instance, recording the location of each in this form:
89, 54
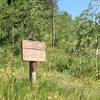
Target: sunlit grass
51, 84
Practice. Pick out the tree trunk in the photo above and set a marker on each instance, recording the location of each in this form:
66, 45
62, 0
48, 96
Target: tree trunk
53, 24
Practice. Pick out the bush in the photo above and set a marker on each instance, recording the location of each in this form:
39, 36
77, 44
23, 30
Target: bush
78, 66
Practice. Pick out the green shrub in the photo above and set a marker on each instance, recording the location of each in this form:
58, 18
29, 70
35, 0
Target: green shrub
78, 66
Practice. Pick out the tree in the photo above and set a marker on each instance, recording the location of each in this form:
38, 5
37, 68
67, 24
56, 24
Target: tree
88, 31
23, 19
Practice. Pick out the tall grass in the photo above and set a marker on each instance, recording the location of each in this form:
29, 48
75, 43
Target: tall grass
50, 86
61, 77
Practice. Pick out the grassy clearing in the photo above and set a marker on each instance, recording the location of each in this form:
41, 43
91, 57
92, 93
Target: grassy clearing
55, 79
51, 85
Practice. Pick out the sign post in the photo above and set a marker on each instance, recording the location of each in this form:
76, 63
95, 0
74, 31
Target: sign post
33, 52
32, 71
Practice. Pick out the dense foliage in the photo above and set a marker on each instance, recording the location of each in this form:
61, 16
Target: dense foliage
72, 69
23, 19
78, 39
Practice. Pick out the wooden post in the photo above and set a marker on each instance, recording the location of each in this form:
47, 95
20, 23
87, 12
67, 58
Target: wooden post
32, 71
33, 51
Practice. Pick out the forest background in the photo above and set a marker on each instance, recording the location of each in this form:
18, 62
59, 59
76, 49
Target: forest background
72, 44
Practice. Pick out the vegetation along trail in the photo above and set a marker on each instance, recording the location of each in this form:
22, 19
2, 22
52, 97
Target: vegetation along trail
72, 67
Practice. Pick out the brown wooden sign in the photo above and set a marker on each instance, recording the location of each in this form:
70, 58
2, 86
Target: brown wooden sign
33, 51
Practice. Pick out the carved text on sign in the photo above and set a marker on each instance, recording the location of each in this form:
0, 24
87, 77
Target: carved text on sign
33, 50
